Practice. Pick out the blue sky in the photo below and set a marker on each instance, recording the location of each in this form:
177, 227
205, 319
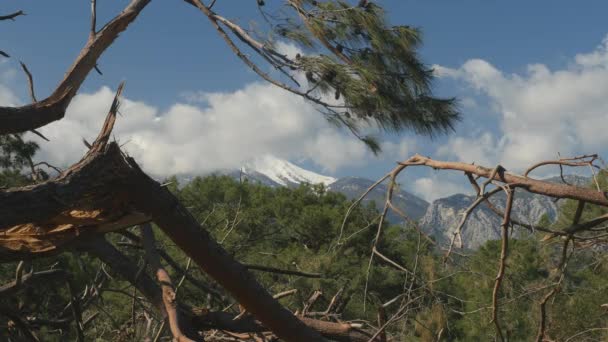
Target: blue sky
513, 65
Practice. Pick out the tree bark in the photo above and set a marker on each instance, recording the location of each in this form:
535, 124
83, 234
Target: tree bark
554, 190
196, 319
106, 189
38, 114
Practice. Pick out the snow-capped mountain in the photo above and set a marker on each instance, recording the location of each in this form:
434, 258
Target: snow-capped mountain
275, 172
438, 219
283, 172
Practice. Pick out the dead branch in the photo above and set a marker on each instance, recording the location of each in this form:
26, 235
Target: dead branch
11, 16
52, 108
107, 191
168, 293
465, 215
281, 271
30, 82
561, 275
531, 185
12, 287
311, 301
202, 319
93, 29
23, 326
201, 285
542, 325
76, 312
585, 160
503, 258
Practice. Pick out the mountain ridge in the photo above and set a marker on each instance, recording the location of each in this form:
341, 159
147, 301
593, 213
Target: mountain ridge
438, 218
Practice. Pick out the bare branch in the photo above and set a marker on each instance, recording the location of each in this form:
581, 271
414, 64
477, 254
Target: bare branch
531, 185
169, 297
281, 271
52, 108
576, 161
11, 16
503, 258
30, 82
93, 30
542, 325
20, 323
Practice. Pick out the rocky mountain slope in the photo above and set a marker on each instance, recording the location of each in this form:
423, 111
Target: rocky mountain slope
413, 206
438, 219
443, 215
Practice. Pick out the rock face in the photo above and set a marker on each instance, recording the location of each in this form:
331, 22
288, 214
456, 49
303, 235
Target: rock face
438, 219
353, 187
443, 215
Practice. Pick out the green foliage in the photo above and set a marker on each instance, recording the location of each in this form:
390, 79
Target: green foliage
293, 229
297, 229
15, 155
370, 68
15, 152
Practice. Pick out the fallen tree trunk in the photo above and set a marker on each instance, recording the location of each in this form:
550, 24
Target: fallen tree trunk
196, 319
107, 191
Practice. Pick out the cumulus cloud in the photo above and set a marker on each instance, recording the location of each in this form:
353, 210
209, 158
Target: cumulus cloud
401, 150
432, 188
542, 111
218, 131
7, 96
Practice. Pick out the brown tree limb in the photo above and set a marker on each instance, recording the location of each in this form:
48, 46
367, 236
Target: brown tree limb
201, 319
282, 271
196, 282
76, 312
23, 326
531, 185
30, 81
168, 292
576, 161
12, 287
503, 258
562, 272
542, 325
93, 29
52, 108
465, 215
11, 16
107, 191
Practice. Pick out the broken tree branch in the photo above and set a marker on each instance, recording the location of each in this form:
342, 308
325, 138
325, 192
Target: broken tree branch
169, 296
531, 185
107, 191
11, 16
504, 250
52, 108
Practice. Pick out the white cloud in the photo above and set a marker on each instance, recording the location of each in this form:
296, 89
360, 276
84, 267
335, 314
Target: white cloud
7, 97
542, 111
473, 150
400, 150
7, 75
223, 130
433, 187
